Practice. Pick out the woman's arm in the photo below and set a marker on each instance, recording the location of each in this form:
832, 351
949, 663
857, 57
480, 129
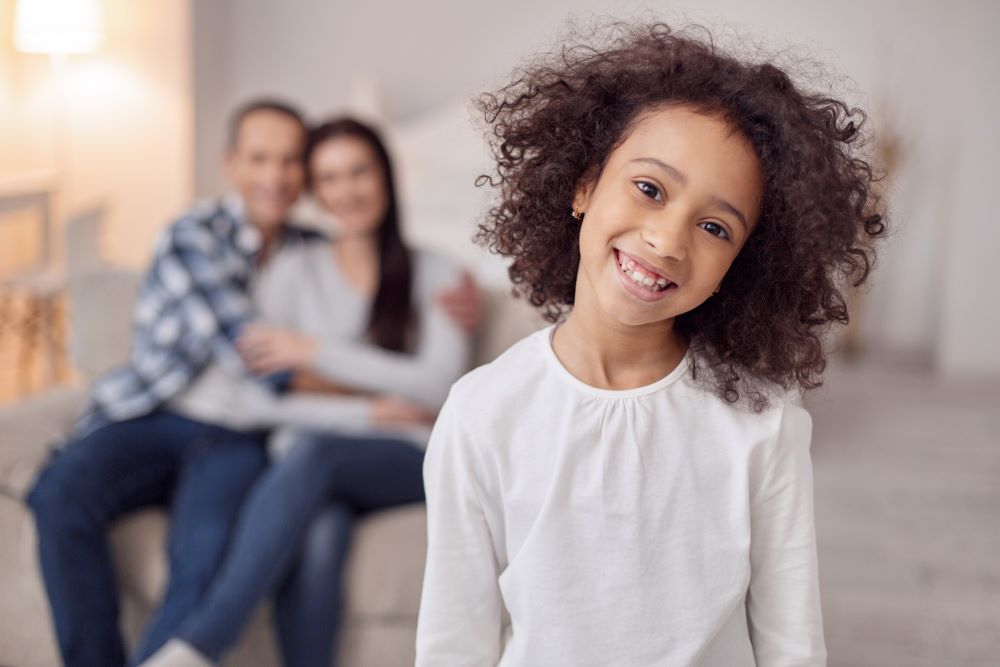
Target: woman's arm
442, 354
307, 381
783, 606
460, 608
342, 412
424, 376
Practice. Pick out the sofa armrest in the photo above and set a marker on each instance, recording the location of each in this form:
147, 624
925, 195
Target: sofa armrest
28, 431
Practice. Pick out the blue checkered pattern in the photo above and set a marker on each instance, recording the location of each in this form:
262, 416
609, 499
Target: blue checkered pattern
193, 301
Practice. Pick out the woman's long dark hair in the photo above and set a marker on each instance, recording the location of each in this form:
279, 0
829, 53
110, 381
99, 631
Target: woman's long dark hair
392, 320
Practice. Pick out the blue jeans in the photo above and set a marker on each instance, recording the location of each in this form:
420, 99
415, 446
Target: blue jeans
202, 472
292, 540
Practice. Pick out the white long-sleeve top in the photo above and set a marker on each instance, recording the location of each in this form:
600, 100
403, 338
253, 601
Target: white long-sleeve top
658, 526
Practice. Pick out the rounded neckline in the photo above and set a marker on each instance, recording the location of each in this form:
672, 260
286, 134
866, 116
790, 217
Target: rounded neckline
338, 272
668, 379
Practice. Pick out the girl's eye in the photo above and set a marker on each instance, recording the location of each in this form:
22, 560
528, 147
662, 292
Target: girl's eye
649, 190
715, 229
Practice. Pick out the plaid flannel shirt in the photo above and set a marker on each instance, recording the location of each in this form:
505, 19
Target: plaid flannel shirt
192, 303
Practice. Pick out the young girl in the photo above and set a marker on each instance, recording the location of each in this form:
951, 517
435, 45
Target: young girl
632, 487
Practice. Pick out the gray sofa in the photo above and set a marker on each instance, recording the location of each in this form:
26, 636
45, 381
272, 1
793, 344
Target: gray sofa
387, 556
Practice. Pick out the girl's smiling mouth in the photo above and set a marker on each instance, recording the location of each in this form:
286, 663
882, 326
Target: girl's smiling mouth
639, 279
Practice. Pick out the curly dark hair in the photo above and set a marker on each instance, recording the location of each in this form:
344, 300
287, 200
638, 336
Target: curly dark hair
555, 125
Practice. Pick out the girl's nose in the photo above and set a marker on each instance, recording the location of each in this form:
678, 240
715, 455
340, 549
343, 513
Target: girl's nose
667, 235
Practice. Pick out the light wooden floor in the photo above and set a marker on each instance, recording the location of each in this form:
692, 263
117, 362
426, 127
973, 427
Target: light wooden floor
908, 518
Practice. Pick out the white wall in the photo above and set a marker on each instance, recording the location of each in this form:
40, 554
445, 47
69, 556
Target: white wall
969, 327
926, 71
126, 114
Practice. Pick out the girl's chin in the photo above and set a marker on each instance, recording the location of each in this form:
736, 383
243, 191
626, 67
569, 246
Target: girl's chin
632, 314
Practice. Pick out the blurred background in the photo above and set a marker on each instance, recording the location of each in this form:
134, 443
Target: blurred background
105, 136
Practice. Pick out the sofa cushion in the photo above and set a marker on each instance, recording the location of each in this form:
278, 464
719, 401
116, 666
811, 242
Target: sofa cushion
385, 566
384, 643
506, 320
138, 547
100, 319
385, 570
26, 635
29, 430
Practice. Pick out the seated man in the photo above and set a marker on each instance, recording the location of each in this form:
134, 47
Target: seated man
156, 431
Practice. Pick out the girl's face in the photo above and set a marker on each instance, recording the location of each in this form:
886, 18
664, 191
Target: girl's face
348, 182
672, 208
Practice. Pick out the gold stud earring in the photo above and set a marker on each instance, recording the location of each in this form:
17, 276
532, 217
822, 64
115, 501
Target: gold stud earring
577, 215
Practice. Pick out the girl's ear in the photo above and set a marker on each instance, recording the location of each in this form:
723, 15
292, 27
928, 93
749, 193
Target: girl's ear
584, 190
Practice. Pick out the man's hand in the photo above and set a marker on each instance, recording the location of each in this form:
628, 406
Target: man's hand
464, 304
392, 411
268, 349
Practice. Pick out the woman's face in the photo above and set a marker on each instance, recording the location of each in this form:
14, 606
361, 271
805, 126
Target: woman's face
348, 181
672, 208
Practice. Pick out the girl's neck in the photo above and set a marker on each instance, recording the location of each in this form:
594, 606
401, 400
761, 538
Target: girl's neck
606, 354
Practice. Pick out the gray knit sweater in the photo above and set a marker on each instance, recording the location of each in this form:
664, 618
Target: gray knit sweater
302, 288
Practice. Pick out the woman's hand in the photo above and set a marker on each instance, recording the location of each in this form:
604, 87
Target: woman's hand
268, 349
392, 411
464, 304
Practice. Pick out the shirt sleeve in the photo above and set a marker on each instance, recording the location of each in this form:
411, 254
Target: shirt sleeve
442, 354
460, 608
210, 283
217, 302
783, 604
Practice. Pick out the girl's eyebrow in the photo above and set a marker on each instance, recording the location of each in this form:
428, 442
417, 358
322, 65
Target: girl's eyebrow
722, 203
676, 174
672, 171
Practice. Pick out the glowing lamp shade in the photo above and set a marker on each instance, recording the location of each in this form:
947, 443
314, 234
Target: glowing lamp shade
58, 26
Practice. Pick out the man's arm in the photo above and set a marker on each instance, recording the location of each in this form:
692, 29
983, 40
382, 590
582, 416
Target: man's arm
216, 288
214, 292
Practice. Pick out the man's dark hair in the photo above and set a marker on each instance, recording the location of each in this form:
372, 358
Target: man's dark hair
262, 104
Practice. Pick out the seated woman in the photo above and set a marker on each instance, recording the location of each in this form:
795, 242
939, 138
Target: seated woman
357, 320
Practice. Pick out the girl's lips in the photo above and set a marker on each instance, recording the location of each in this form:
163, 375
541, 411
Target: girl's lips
619, 254
640, 292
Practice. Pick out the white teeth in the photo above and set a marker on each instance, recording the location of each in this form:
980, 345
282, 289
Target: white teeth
630, 269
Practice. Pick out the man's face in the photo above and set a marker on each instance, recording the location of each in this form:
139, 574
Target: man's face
265, 166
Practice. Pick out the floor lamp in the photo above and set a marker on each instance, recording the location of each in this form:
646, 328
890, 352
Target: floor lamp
56, 28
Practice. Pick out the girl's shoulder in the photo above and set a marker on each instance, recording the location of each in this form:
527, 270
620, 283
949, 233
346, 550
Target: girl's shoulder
784, 412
